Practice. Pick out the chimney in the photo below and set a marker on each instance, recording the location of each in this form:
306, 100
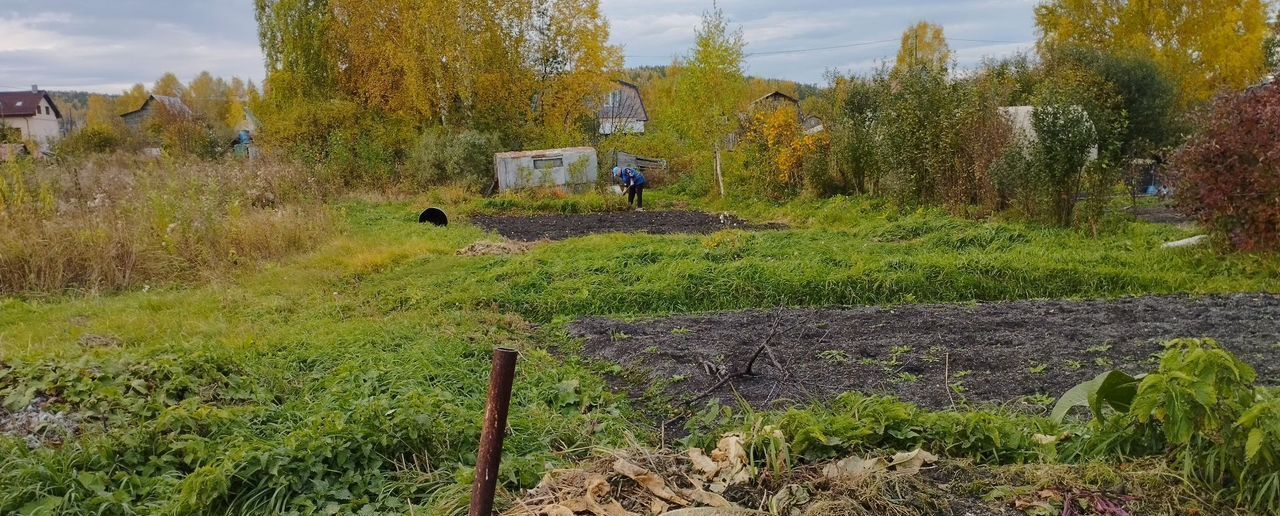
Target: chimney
35, 89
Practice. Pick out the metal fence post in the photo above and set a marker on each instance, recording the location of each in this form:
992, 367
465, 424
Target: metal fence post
495, 425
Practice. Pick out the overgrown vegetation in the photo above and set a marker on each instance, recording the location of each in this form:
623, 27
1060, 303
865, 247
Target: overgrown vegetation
1227, 173
856, 252
1201, 409
353, 376
114, 222
350, 378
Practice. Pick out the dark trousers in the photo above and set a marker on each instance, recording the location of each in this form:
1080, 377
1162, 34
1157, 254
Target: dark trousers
635, 195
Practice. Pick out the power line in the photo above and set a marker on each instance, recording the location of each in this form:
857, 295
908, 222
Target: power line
837, 47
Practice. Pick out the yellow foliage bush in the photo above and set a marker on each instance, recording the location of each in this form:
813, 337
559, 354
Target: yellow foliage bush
782, 151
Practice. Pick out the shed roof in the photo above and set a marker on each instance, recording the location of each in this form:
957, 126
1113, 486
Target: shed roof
173, 104
777, 95
25, 103
611, 111
545, 152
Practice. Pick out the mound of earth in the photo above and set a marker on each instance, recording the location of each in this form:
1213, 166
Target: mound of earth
937, 356
560, 227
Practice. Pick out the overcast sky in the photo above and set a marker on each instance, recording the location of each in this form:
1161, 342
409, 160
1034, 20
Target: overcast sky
105, 46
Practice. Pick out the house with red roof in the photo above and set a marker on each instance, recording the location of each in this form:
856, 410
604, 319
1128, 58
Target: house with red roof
29, 117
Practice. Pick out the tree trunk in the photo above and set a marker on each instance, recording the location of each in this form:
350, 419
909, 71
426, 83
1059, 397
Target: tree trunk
719, 175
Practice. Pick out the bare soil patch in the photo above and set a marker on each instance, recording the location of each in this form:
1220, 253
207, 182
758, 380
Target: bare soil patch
1162, 215
1020, 354
560, 227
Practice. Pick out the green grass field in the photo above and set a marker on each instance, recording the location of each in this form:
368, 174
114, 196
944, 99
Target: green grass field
352, 377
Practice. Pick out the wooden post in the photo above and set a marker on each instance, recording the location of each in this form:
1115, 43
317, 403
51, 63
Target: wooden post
501, 376
719, 175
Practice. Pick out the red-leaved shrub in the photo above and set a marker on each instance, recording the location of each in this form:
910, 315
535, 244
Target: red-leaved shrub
1228, 174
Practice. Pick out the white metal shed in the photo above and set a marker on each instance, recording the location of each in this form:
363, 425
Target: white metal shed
576, 168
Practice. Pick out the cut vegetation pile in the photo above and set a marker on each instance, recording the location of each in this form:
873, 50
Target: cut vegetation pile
560, 227
743, 480
1023, 353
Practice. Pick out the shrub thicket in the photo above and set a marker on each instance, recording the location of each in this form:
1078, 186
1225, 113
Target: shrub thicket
1227, 173
921, 137
466, 157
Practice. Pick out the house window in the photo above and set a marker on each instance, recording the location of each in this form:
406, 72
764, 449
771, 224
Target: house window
615, 99
547, 163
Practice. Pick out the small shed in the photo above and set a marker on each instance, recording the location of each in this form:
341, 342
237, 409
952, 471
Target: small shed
574, 168
775, 100
1022, 119
157, 104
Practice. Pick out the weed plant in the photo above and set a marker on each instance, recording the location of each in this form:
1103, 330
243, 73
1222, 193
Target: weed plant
112, 223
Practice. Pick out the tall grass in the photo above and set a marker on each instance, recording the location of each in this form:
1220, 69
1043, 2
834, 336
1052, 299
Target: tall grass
115, 222
850, 252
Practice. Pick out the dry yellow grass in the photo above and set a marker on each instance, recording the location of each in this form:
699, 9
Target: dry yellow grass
117, 222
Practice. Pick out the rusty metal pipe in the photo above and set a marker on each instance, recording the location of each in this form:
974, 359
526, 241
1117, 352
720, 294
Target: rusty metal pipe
495, 425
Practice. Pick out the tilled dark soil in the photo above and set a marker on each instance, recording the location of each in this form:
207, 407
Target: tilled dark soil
560, 227
1018, 354
1162, 215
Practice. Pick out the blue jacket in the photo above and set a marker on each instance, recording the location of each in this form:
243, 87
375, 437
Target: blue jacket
632, 177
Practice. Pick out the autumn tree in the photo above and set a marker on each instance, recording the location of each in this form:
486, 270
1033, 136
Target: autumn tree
237, 95
101, 112
206, 95
1272, 46
924, 44
295, 40
497, 68
572, 63
709, 94
1207, 46
1226, 173
131, 99
169, 85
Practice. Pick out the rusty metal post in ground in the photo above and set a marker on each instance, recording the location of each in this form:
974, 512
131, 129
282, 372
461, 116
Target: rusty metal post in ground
495, 424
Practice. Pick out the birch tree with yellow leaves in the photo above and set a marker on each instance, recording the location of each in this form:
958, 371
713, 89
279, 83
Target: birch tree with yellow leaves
496, 66
924, 44
1207, 46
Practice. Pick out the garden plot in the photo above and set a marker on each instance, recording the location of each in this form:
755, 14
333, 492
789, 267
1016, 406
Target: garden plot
1020, 354
560, 227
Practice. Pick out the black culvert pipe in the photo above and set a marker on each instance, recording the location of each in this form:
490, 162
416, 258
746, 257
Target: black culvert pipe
495, 425
434, 216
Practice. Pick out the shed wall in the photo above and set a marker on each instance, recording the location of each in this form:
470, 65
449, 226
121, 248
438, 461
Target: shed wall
577, 167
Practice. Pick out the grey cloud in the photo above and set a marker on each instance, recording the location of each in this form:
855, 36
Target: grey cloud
106, 46
803, 24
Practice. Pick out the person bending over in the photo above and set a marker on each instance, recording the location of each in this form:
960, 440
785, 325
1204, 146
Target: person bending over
633, 182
